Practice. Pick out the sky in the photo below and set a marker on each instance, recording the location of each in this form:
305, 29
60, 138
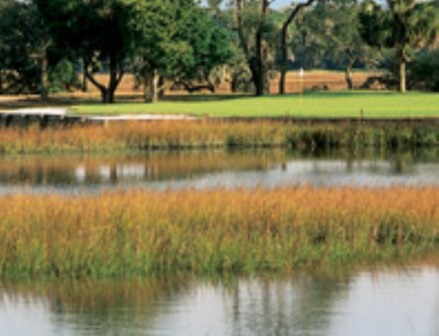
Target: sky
281, 3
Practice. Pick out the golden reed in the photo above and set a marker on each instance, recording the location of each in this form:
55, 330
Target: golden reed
140, 136
209, 232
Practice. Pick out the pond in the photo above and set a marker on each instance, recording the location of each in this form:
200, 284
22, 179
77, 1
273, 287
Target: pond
209, 169
403, 301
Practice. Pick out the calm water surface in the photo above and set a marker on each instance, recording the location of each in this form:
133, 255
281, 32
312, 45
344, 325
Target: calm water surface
209, 169
394, 302
387, 302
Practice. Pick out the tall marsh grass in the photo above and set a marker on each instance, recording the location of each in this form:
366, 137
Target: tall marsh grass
143, 136
208, 232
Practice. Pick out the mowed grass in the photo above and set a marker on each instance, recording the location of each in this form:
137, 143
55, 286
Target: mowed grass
316, 105
144, 233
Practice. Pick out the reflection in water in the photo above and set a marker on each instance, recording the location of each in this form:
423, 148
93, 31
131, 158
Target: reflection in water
388, 302
208, 169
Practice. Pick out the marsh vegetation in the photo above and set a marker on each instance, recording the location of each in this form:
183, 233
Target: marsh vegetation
211, 232
135, 136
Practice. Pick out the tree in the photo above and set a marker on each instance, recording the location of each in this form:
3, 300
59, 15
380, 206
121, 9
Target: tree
423, 71
4, 43
24, 47
96, 31
403, 25
345, 47
294, 11
252, 24
324, 34
209, 48
180, 42
235, 70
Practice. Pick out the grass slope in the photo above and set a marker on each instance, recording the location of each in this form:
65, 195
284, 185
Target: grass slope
319, 105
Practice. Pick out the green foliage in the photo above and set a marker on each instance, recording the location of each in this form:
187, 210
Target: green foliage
257, 27
63, 76
406, 26
328, 37
375, 25
21, 33
423, 72
97, 32
180, 41
188, 43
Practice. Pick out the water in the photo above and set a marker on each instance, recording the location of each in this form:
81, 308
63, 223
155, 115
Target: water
209, 169
398, 301
386, 302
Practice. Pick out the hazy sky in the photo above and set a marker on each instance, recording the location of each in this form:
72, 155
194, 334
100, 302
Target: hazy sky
281, 3
276, 3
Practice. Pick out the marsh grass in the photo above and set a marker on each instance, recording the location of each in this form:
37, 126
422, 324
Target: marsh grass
212, 232
131, 136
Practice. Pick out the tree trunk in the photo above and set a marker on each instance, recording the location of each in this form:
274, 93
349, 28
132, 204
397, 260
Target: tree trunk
151, 81
84, 77
402, 75
161, 90
259, 57
44, 76
348, 70
239, 4
107, 96
348, 76
257, 77
234, 84
113, 81
255, 59
107, 93
284, 60
284, 40
259, 65
1, 82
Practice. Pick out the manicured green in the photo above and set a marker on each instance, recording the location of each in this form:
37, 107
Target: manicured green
320, 105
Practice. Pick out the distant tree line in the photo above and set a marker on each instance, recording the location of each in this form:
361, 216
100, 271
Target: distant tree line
195, 45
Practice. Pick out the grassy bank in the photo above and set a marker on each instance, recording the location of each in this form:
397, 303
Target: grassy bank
210, 134
316, 105
210, 232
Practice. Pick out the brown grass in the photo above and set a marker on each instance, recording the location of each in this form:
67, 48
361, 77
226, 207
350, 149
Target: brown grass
144, 233
134, 136
334, 80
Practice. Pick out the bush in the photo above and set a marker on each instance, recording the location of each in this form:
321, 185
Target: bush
63, 77
423, 72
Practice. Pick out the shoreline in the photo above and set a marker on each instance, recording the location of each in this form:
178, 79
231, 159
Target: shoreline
53, 115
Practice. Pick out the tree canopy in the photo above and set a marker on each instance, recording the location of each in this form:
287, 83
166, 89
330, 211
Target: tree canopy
189, 44
403, 25
24, 45
180, 42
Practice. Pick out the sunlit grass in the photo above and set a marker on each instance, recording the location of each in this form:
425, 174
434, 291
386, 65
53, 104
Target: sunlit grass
320, 105
210, 232
143, 136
